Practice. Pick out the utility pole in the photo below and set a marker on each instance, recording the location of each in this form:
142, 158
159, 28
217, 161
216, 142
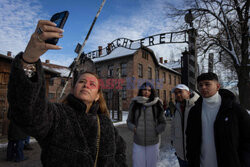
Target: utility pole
119, 111
189, 58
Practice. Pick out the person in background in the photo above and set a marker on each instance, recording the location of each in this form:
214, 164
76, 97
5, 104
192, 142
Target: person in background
146, 120
218, 128
165, 107
171, 107
77, 132
27, 144
16, 138
184, 102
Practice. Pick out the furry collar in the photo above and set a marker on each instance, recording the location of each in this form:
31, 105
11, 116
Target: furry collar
144, 100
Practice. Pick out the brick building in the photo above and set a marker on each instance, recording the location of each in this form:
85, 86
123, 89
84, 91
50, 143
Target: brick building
175, 65
52, 72
57, 83
135, 67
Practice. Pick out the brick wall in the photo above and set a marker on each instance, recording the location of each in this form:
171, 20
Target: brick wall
146, 59
56, 85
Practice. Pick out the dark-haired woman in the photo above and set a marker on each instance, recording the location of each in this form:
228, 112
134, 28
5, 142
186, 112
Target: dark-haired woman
146, 119
76, 133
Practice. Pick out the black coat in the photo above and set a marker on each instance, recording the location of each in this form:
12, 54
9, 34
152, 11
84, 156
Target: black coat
66, 133
15, 133
231, 133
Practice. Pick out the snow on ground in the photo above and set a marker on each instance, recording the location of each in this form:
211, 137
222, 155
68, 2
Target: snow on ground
167, 158
124, 119
4, 145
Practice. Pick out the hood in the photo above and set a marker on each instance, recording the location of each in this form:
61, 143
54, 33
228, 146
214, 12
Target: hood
193, 99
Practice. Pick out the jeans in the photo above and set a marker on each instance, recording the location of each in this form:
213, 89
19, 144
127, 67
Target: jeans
182, 162
19, 150
10, 150
27, 141
15, 150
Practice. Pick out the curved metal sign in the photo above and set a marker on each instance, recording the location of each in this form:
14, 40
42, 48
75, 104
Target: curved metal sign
163, 38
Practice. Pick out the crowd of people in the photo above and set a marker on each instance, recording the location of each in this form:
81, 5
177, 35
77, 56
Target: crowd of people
209, 128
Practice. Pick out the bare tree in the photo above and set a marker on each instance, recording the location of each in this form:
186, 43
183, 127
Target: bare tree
223, 27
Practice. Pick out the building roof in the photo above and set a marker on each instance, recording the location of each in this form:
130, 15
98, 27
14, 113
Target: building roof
54, 73
173, 64
170, 69
62, 70
8, 58
122, 52
116, 53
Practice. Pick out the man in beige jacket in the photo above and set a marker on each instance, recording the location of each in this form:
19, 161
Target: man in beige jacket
184, 102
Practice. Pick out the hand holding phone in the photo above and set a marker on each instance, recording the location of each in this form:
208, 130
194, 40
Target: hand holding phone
59, 19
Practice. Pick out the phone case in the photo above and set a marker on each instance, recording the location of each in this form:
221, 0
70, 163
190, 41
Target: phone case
59, 19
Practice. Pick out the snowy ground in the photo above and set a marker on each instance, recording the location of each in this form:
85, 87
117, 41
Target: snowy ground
124, 118
167, 158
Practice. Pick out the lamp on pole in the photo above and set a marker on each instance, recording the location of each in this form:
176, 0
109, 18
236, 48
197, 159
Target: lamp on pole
189, 57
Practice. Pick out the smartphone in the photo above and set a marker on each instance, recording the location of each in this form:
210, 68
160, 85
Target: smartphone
59, 19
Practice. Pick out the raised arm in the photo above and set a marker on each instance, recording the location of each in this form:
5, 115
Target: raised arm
30, 108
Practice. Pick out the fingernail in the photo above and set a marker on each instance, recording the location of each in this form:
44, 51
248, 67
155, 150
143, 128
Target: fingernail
61, 30
59, 47
54, 24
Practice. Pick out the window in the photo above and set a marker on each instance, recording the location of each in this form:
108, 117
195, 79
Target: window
158, 92
149, 73
174, 80
110, 70
170, 95
124, 69
164, 94
51, 81
110, 94
124, 92
140, 70
179, 80
157, 75
169, 79
144, 55
164, 77
98, 71
51, 95
62, 82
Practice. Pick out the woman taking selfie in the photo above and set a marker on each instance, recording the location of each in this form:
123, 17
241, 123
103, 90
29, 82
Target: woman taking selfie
77, 132
146, 120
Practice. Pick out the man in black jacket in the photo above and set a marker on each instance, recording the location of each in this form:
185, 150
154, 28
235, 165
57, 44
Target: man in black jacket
217, 132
